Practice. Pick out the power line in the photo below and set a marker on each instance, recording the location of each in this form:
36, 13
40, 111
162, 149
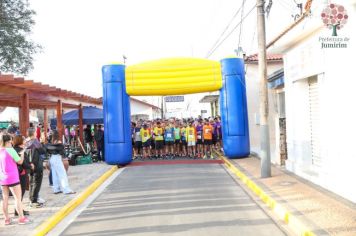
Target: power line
242, 15
228, 35
288, 3
252, 42
286, 6
226, 28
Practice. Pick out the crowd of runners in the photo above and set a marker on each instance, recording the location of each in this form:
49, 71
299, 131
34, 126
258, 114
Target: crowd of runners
174, 138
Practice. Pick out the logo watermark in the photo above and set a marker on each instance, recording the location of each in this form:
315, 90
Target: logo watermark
334, 42
334, 17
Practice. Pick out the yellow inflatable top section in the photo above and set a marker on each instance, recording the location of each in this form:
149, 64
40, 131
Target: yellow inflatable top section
173, 76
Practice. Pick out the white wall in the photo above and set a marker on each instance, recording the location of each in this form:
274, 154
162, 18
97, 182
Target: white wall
139, 108
336, 74
252, 92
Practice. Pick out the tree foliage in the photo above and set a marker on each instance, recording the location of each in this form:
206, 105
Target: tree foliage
16, 47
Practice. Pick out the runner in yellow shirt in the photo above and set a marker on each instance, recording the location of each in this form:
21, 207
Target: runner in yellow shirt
145, 136
158, 134
191, 139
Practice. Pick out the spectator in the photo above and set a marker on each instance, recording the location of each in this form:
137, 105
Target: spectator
67, 135
59, 175
12, 128
35, 152
99, 140
38, 132
23, 168
9, 179
88, 138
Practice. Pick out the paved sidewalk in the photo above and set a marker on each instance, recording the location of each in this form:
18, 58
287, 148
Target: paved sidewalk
80, 177
321, 211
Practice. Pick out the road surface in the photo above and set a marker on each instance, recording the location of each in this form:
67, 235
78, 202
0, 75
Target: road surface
198, 199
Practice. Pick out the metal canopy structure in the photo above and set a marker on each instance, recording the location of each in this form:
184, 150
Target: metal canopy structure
39, 95
28, 94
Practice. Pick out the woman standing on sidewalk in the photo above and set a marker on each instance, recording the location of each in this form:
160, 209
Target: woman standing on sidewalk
59, 175
18, 143
9, 178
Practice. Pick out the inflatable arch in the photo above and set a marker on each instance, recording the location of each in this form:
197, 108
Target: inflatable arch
171, 77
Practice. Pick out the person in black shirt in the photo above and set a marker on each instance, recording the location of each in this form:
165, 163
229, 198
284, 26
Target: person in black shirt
34, 151
59, 176
88, 137
24, 168
99, 140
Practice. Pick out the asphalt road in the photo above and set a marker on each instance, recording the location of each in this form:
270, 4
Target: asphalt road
174, 200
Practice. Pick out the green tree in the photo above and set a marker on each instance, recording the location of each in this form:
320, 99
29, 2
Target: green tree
16, 47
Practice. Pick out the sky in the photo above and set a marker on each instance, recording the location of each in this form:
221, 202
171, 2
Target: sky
80, 36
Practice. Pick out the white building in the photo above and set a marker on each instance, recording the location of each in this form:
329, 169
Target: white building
12, 114
143, 110
274, 63
320, 96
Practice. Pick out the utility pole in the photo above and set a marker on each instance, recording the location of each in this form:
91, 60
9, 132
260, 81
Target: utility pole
262, 72
162, 107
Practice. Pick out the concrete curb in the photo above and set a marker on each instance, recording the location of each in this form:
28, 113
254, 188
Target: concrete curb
51, 222
283, 214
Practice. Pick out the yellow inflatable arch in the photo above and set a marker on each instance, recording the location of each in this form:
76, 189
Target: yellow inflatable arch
173, 76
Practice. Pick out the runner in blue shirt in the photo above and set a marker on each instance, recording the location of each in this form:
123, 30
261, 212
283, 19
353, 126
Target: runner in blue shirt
169, 139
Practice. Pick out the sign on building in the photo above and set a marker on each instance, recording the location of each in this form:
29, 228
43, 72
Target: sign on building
174, 99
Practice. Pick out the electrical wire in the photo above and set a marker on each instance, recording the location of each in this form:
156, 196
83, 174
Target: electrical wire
226, 28
228, 35
252, 42
242, 15
286, 6
287, 3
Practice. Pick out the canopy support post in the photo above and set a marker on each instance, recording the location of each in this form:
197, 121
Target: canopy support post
80, 113
24, 113
45, 124
59, 119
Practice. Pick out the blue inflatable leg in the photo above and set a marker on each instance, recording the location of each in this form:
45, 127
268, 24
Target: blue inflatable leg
116, 104
233, 107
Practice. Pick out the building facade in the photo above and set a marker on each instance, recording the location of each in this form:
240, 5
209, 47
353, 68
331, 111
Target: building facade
274, 63
319, 96
143, 110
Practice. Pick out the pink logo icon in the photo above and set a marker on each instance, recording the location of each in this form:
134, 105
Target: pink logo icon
334, 17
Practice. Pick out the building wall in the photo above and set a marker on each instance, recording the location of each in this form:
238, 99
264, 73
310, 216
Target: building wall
334, 68
252, 91
139, 108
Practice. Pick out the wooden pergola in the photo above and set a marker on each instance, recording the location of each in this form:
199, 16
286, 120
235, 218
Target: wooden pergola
28, 94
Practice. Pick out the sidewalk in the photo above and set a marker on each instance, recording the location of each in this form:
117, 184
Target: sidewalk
80, 177
321, 211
